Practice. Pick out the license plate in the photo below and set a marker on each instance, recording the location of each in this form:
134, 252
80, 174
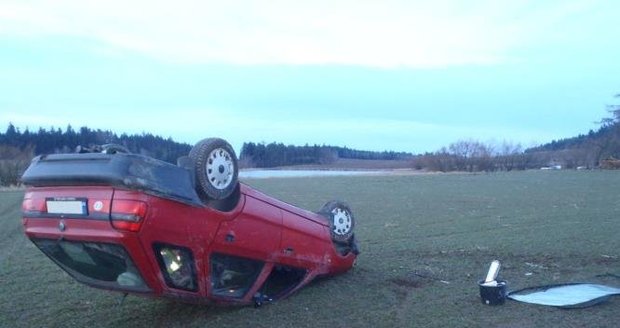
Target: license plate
67, 206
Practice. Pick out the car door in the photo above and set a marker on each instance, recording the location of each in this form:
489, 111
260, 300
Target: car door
242, 247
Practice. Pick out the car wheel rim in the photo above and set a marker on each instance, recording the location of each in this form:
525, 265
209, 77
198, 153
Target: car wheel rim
220, 168
342, 222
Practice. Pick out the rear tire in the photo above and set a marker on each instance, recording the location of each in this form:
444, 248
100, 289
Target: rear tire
216, 168
341, 220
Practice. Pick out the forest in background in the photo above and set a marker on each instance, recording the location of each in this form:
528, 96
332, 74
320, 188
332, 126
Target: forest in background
55, 140
17, 147
597, 149
278, 154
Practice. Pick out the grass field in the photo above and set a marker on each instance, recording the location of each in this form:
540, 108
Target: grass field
425, 241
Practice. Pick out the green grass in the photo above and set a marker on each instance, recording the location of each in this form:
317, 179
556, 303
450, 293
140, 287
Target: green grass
425, 241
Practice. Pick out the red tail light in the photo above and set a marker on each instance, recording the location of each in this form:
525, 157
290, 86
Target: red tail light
128, 215
34, 206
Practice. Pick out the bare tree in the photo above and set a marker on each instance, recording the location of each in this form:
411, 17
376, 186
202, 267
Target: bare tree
471, 155
13, 163
508, 156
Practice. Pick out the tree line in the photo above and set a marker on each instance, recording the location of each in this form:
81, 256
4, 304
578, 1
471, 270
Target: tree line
55, 140
277, 154
473, 156
17, 147
597, 149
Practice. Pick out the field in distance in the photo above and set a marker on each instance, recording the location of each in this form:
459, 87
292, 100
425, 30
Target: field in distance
425, 241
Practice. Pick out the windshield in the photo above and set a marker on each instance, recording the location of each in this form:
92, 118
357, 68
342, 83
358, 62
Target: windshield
99, 264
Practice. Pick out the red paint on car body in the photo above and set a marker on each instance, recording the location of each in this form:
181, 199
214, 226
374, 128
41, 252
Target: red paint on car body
260, 233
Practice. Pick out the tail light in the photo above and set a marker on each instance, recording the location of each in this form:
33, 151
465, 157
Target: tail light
128, 215
33, 206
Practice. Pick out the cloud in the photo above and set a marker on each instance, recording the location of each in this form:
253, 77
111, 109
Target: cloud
391, 33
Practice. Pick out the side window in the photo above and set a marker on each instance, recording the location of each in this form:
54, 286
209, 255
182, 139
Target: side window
281, 281
177, 266
233, 276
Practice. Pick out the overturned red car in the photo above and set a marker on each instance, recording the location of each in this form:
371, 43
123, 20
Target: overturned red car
126, 222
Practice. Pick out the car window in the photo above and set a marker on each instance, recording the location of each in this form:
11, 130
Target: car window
233, 276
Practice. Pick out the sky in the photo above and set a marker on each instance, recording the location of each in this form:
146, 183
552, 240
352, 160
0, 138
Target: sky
397, 75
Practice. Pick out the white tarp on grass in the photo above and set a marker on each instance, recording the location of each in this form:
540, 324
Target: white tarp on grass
569, 295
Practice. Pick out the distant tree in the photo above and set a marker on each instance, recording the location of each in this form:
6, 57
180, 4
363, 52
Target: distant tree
508, 155
472, 155
614, 119
13, 162
11, 132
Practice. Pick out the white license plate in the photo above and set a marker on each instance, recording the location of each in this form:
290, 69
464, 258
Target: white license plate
77, 207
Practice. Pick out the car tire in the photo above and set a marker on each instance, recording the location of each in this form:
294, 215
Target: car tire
341, 220
216, 168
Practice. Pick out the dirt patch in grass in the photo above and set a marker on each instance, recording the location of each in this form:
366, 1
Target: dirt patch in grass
409, 282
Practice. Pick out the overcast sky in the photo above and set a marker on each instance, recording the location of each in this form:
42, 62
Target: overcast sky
398, 75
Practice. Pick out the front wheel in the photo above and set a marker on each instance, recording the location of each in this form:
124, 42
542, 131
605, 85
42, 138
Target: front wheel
341, 220
215, 165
